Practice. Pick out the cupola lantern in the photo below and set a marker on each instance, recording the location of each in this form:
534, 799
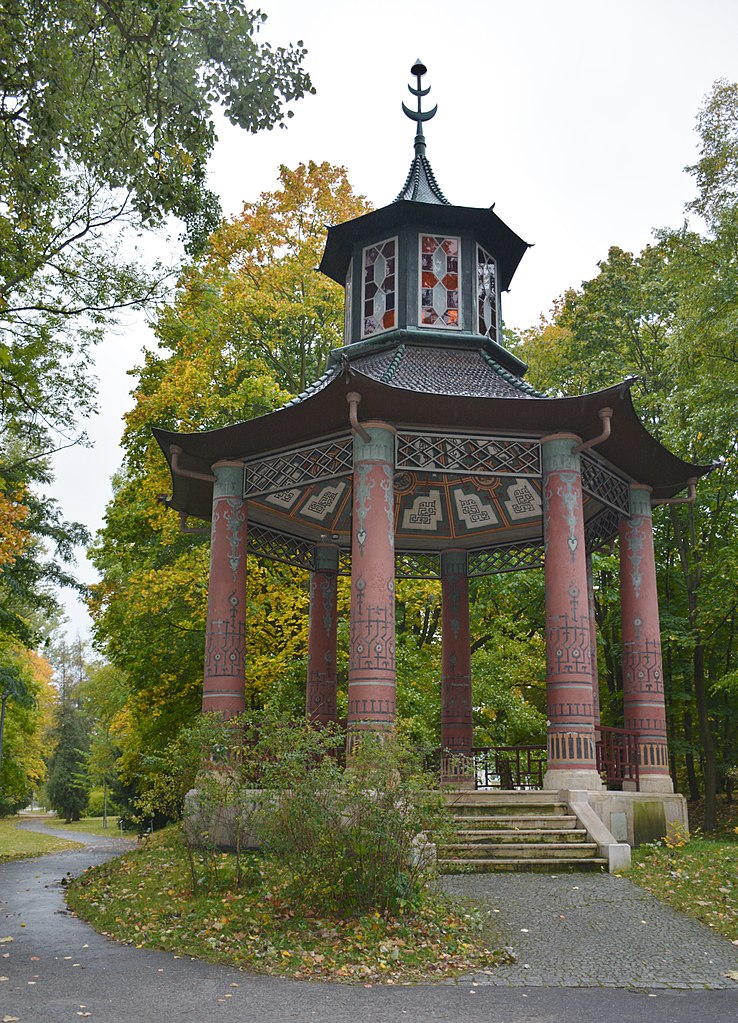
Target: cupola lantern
422, 269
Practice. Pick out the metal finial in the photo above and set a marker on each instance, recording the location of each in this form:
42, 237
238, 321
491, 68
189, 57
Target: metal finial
419, 116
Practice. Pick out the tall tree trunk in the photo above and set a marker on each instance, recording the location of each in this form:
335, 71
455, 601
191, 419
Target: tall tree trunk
694, 788
691, 561
708, 744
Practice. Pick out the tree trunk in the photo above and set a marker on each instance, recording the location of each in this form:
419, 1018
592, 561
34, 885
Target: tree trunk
694, 788
708, 744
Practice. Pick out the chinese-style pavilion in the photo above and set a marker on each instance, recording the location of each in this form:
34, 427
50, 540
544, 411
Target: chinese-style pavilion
422, 452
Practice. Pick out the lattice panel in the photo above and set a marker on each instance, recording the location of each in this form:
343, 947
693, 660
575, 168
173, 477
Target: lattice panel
604, 485
511, 557
455, 453
299, 467
344, 562
602, 529
417, 565
291, 550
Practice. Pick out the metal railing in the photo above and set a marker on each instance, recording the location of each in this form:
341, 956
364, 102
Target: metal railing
617, 756
496, 767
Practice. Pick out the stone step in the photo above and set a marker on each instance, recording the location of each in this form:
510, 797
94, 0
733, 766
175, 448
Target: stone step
552, 866
565, 836
500, 796
485, 808
553, 821
517, 850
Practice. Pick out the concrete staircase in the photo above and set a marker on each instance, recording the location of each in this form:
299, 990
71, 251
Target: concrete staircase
510, 830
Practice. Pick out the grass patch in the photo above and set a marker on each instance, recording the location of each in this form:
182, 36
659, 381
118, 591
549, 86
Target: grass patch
90, 826
699, 879
18, 844
145, 898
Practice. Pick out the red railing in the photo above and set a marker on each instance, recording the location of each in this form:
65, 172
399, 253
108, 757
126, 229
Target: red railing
496, 767
617, 756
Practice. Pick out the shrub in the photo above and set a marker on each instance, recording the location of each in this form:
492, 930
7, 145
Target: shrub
357, 840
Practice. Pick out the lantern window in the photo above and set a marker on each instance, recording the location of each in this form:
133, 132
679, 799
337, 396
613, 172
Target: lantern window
439, 281
348, 305
486, 293
379, 291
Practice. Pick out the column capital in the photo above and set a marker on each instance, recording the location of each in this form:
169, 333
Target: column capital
326, 557
454, 562
557, 452
228, 479
381, 444
640, 500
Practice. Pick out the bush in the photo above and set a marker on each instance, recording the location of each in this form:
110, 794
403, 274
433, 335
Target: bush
357, 840
353, 840
96, 804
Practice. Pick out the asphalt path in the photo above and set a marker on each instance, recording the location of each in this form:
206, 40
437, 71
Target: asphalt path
57, 969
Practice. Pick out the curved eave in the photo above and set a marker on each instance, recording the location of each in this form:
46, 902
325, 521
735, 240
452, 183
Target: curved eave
491, 232
630, 448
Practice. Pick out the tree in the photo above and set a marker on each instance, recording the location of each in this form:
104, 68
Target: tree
250, 320
27, 699
106, 126
667, 315
68, 784
107, 121
12, 685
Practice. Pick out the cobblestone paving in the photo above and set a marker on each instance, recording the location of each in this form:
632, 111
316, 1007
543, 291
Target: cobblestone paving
595, 930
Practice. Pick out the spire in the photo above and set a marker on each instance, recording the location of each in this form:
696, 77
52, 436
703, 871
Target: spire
420, 184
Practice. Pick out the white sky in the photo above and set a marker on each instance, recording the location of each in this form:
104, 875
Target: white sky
575, 117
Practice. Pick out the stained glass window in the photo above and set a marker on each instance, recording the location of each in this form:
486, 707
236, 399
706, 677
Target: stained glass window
439, 281
348, 304
486, 293
379, 287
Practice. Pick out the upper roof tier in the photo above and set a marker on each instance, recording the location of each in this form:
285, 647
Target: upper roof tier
422, 263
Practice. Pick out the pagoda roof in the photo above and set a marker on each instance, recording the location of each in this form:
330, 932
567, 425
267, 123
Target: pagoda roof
323, 412
492, 232
420, 183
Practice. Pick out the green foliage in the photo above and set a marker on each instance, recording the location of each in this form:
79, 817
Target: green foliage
106, 129
250, 322
352, 840
68, 786
27, 698
357, 840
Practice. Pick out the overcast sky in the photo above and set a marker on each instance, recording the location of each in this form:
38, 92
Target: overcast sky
574, 117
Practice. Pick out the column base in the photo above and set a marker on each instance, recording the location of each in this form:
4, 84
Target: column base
656, 783
568, 778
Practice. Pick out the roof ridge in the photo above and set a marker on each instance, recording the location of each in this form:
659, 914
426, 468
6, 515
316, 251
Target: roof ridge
511, 378
420, 168
394, 365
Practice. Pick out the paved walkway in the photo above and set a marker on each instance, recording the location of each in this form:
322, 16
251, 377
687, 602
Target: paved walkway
58, 970
596, 930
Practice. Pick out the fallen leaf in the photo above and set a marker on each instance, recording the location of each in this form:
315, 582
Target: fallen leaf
10, 1019
732, 974
4, 941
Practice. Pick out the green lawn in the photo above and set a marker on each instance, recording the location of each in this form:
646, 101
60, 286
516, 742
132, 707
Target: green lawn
90, 825
17, 844
145, 898
701, 877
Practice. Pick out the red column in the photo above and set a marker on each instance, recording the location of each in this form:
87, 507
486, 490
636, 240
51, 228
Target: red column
571, 752
372, 678
320, 693
643, 678
456, 685
593, 634
225, 642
